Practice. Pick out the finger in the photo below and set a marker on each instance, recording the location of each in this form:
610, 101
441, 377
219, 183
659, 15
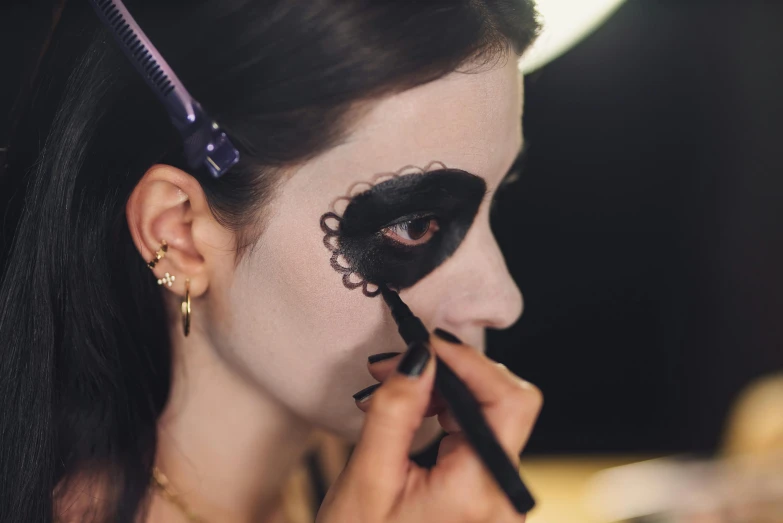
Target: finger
450, 444
382, 369
448, 423
395, 413
381, 366
509, 403
437, 404
435, 407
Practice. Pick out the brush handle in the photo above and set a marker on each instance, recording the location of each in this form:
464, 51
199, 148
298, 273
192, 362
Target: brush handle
465, 408
467, 412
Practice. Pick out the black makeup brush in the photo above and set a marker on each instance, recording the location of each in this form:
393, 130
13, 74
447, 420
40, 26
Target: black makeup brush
465, 408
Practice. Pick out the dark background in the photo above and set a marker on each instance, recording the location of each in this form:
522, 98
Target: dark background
647, 231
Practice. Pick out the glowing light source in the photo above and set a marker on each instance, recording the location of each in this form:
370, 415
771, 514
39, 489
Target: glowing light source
565, 23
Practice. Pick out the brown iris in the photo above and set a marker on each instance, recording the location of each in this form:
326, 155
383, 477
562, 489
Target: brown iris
412, 232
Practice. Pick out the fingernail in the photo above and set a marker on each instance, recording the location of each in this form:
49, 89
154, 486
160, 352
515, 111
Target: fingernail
447, 336
364, 394
414, 361
375, 358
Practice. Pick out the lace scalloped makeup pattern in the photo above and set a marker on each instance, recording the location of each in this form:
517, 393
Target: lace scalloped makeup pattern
330, 225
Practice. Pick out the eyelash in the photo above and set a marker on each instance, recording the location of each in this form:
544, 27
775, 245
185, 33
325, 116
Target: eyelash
433, 226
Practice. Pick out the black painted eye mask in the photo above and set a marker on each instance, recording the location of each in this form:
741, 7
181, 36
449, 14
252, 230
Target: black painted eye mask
441, 203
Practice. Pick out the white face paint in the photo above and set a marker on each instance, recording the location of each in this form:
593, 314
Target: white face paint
284, 320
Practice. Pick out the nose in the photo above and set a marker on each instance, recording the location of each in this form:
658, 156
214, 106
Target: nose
482, 292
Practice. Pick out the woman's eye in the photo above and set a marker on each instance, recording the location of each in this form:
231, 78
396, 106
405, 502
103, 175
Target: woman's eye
412, 232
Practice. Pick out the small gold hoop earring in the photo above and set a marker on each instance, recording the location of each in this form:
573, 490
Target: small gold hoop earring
164, 247
186, 308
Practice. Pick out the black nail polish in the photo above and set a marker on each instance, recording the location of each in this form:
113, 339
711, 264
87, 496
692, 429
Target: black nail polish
365, 393
375, 358
447, 336
414, 361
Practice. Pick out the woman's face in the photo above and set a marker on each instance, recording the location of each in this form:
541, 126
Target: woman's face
289, 320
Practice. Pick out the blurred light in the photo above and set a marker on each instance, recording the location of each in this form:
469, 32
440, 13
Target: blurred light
565, 23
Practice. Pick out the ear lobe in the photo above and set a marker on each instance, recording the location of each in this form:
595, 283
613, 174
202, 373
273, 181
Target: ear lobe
165, 205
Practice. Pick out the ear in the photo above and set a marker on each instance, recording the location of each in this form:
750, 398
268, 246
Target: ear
169, 204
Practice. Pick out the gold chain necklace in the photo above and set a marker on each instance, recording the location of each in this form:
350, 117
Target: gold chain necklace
162, 483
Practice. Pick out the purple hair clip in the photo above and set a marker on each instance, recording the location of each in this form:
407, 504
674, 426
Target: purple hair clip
204, 141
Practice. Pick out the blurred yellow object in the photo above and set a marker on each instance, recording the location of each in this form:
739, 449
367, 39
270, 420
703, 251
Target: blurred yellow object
755, 425
559, 485
744, 483
599, 489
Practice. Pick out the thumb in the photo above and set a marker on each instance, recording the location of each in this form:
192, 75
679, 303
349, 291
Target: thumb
396, 412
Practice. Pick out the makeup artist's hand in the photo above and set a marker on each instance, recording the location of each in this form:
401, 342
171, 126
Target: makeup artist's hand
381, 484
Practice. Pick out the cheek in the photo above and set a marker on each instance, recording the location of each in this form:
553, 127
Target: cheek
296, 332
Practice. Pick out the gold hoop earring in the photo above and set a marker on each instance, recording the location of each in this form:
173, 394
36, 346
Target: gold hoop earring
186, 308
164, 247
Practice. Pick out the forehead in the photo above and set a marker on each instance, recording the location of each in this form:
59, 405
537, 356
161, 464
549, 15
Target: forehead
470, 121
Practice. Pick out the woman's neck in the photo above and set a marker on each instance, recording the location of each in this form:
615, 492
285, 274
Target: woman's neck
225, 446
